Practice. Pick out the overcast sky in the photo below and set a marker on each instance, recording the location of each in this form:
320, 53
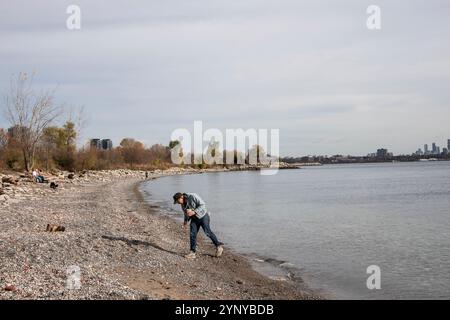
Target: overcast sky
310, 68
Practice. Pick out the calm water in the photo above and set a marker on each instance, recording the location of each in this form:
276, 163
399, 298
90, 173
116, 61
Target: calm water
332, 222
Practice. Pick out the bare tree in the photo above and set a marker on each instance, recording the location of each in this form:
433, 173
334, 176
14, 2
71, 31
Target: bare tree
29, 113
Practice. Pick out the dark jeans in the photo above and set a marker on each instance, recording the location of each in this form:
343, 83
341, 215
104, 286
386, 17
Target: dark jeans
195, 228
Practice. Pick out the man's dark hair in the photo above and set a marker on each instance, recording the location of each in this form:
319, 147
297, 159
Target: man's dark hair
177, 196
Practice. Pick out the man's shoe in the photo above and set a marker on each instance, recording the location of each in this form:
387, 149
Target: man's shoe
191, 255
219, 251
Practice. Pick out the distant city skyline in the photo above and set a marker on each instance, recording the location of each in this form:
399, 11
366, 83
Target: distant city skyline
435, 149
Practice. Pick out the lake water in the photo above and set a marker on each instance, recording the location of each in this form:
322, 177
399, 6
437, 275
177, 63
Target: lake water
332, 222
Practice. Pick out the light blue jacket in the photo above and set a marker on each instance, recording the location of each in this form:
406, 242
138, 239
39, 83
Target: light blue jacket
194, 202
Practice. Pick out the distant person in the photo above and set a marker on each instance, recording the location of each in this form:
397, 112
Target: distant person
39, 178
35, 175
194, 209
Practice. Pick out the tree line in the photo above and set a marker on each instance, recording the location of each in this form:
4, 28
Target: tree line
34, 139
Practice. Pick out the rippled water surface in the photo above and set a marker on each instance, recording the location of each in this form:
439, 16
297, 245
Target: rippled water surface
332, 222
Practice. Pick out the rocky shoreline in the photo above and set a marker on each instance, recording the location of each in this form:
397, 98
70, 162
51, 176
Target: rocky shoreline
114, 246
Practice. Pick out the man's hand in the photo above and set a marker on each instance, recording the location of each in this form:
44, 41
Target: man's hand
184, 225
190, 212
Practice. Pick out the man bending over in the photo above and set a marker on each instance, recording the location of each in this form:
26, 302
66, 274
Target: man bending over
194, 209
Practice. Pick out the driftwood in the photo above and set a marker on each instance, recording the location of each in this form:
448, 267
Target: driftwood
55, 228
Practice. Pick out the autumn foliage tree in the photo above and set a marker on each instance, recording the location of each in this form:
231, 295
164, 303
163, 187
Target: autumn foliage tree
132, 151
59, 145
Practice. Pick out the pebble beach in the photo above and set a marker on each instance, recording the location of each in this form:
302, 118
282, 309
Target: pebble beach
114, 244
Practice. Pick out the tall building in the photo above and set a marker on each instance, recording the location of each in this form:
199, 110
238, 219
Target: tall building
425, 149
101, 144
95, 143
433, 148
382, 153
106, 144
17, 131
448, 144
